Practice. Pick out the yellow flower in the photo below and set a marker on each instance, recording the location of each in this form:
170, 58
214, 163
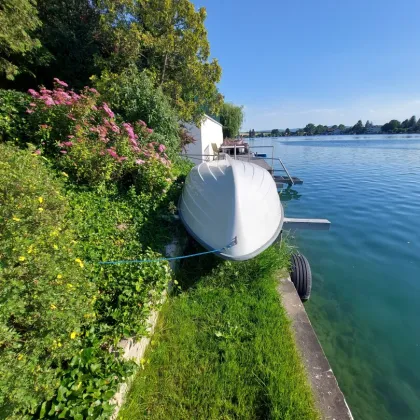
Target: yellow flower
40, 209
55, 246
20, 356
79, 261
65, 174
54, 233
16, 219
53, 307
21, 258
59, 344
40, 199
69, 285
59, 276
73, 335
30, 249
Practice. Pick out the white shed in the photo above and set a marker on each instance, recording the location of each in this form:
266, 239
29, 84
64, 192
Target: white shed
208, 138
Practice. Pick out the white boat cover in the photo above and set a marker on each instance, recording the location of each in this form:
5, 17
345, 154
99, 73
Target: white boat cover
231, 202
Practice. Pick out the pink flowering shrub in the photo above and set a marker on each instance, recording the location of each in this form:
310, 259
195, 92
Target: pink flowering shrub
91, 144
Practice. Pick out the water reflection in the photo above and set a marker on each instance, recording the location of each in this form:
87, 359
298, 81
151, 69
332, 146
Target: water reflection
290, 194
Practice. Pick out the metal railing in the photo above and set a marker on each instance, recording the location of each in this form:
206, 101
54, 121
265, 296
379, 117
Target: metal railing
222, 156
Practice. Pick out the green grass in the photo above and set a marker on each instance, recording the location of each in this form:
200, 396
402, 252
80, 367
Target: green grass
223, 348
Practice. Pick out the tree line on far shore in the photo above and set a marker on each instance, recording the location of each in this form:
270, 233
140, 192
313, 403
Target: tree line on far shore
411, 125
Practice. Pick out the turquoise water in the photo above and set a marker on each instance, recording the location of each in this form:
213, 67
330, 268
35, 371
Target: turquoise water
366, 269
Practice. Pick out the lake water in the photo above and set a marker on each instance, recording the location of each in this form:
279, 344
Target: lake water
366, 270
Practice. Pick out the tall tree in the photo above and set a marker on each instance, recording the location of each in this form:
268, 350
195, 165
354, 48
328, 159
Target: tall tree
287, 132
275, 133
18, 21
358, 128
412, 122
176, 51
310, 129
392, 126
70, 34
231, 117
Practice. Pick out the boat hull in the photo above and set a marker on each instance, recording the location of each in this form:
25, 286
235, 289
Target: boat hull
231, 207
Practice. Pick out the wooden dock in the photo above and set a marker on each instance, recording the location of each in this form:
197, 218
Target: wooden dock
257, 160
279, 179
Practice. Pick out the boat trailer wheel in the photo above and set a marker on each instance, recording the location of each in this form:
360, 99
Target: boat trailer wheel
301, 276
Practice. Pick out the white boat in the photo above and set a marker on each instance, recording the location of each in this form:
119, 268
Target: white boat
231, 206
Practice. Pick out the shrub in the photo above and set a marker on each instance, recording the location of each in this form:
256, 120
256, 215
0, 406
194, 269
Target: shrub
13, 125
133, 95
108, 228
45, 301
88, 141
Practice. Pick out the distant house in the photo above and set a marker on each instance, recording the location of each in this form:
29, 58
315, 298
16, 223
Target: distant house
208, 138
374, 129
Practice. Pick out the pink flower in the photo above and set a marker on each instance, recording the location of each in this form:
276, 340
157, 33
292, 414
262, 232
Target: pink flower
162, 148
122, 158
71, 116
70, 137
140, 161
63, 152
107, 109
49, 101
33, 93
93, 90
142, 123
32, 104
149, 130
94, 107
30, 111
37, 152
44, 126
60, 82
112, 153
67, 144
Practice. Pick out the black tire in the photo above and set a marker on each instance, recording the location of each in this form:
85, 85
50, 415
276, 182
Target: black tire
301, 276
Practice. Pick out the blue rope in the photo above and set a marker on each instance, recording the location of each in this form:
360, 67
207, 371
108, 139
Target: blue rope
182, 257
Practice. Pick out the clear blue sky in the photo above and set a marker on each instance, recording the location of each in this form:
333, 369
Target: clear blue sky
290, 62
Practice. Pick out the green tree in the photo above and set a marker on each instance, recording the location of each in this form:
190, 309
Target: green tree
275, 133
18, 21
320, 129
412, 122
231, 117
176, 51
287, 132
358, 128
392, 126
70, 36
310, 129
342, 127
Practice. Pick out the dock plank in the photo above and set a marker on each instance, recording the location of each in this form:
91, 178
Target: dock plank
257, 161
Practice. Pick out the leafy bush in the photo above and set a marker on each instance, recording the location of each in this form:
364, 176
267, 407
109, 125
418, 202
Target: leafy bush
87, 384
45, 301
87, 140
108, 228
13, 115
133, 95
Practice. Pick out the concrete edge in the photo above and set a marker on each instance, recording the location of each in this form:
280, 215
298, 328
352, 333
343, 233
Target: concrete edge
135, 350
329, 398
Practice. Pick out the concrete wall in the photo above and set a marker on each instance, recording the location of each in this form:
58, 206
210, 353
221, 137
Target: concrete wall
209, 132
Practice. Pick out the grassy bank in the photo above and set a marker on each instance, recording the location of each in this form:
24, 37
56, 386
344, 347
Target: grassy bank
223, 348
